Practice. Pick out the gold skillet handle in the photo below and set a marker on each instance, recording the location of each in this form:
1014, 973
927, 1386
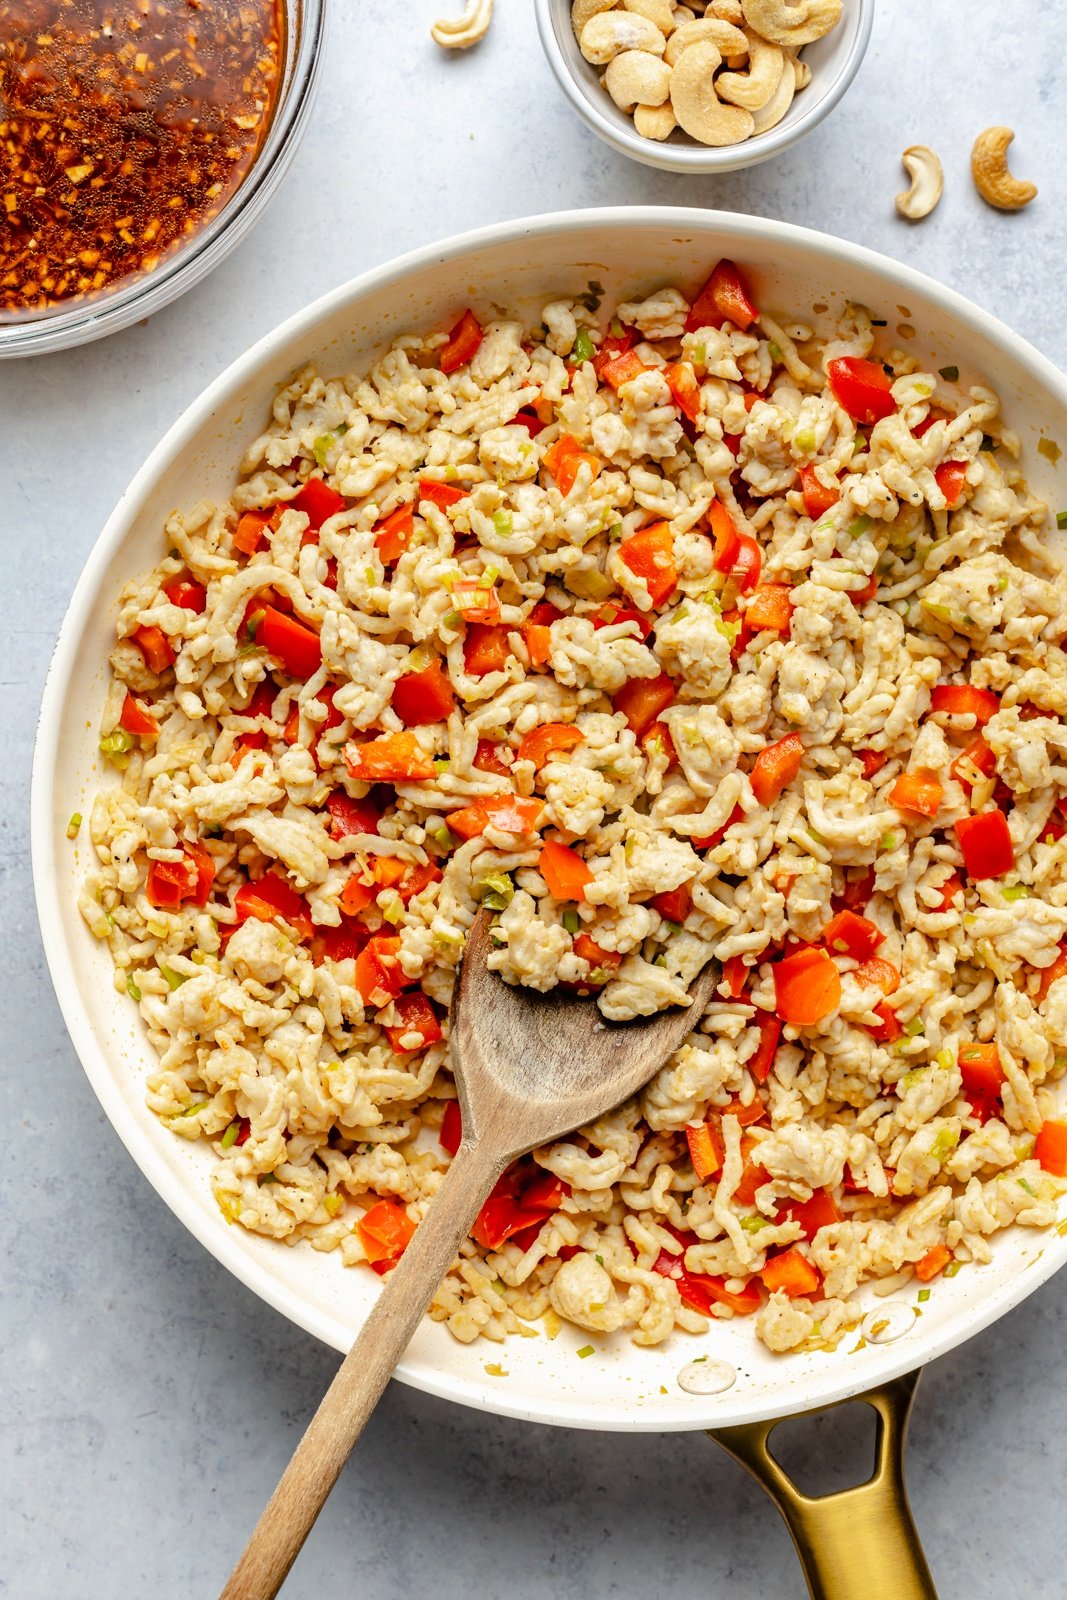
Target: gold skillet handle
861, 1544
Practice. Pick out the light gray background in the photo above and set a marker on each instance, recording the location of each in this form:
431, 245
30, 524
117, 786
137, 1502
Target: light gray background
148, 1402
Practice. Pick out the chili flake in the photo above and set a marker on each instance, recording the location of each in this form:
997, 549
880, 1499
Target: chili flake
125, 126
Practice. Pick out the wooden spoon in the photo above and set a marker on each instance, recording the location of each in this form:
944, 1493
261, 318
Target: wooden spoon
529, 1068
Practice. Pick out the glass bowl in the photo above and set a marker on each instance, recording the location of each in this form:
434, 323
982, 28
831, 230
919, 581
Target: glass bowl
59, 327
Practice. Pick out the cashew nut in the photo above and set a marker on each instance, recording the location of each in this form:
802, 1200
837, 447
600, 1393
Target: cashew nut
655, 122
636, 77
927, 182
802, 72
583, 10
793, 25
989, 169
611, 32
771, 114
727, 40
752, 89
459, 33
682, 14
696, 105
659, 12
726, 11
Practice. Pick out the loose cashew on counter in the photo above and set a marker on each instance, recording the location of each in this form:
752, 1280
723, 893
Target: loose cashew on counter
992, 178
459, 33
927, 181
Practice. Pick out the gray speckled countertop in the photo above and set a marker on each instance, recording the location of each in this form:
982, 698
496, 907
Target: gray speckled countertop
149, 1401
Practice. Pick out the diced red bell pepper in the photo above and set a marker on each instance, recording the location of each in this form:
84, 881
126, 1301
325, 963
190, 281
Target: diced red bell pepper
753, 1176
442, 495
508, 812
612, 346
463, 343
888, 1027
706, 1149
727, 539
793, 1273
612, 615
710, 841
965, 700
932, 1263
542, 743
392, 534
685, 390
563, 460
491, 757
775, 768
270, 897
348, 816
701, 1291
724, 298
641, 700
770, 1028
921, 791
485, 648
622, 369
423, 697
450, 1136
850, 935
169, 883
184, 591
873, 761
860, 597
818, 499
379, 975
770, 608
528, 420
1049, 974
417, 1015
587, 949
818, 1212
748, 563
394, 758
877, 971
1050, 1148
981, 1071
978, 755
296, 646
155, 647
735, 976
476, 601
538, 641
657, 739
136, 720
649, 555
746, 1113
318, 502
861, 387
385, 1231
857, 892
950, 889
674, 904
564, 871
807, 987
985, 842
340, 943
951, 477
524, 1198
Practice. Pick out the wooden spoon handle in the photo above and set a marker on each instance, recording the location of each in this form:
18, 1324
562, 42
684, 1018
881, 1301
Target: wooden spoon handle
348, 1402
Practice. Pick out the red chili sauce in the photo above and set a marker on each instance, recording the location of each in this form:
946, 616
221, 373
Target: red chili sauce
125, 126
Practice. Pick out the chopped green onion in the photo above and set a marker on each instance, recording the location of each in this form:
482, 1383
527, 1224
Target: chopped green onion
452, 619
805, 441
502, 522
616, 327
944, 1144
496, 890
252, 625
174, 979
603, 974
444, 836
441, 764
114, 747
924, 1295
332, 1204
74, 824
599, 1260
491, 574
774, 351
729, 630
1015, 891
131, 988
945, 1059
586, 1350
915, 1026
1061, 519
950, 374
322, 447
951, 1270
859, 444
391, 906
230, 1136
753, 1224
888, 841
858, 526
1024, 1185
583, 346
572, 921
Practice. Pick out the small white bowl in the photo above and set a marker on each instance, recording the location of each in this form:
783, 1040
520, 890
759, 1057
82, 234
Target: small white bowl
834, 62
